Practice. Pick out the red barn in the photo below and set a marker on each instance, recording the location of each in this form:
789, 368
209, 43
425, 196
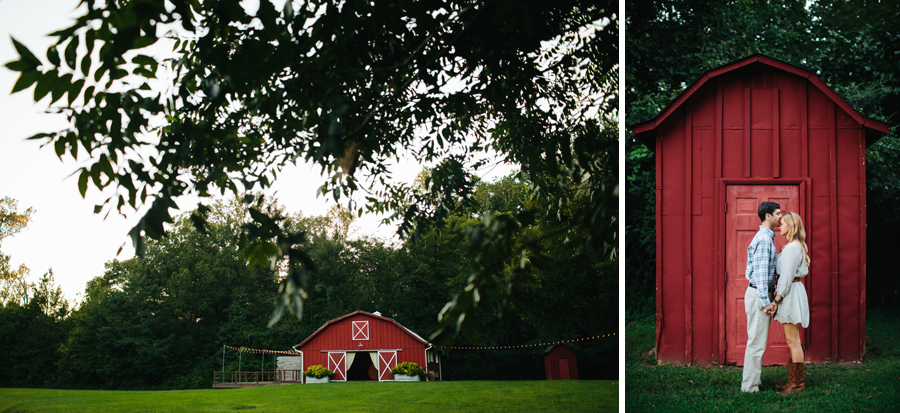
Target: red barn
754, 130
560, 362
366, 346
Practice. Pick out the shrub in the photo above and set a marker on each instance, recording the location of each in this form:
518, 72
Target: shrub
408, 368
318, 372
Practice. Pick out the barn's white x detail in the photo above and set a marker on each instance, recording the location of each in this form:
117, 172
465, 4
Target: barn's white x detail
386, 361
360, 330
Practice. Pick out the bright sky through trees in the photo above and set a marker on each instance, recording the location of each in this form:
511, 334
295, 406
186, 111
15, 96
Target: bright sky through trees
65, 234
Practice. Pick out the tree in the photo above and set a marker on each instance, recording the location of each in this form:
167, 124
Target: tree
30, 342
347, 86
11, 220
163, 318
13, 286
31, 333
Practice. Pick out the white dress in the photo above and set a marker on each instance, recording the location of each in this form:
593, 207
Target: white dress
794, 307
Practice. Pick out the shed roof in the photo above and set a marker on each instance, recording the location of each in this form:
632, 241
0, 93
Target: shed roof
554, 346
874, 129
328, 323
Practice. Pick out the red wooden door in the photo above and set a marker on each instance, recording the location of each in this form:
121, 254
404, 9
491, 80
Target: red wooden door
386, 361
564, 370
741, 224
336, 363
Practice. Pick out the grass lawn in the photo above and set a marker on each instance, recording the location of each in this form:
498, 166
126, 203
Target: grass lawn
482, 396
870, 386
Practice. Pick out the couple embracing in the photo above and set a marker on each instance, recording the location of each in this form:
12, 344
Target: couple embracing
785, 300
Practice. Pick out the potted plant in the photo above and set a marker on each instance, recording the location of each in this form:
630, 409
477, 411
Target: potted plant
407, 371
318, 374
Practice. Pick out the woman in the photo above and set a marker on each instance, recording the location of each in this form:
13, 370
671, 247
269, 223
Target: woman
793, 306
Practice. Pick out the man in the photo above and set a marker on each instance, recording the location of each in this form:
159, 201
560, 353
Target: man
759, 303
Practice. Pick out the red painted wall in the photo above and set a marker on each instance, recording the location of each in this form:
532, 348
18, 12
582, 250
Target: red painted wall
762, 122
383, 334
552, 365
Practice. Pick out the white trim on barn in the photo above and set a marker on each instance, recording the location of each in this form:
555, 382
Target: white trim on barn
360, 330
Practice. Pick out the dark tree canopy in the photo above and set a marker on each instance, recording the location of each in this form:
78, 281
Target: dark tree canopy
350, 86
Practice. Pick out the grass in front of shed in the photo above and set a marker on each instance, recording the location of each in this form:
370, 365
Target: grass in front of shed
870, 386
544, 396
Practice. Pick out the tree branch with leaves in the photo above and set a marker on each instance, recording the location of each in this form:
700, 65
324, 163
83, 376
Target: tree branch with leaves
192, 97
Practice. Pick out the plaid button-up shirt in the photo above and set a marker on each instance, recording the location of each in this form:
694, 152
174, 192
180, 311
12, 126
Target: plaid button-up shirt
761, 263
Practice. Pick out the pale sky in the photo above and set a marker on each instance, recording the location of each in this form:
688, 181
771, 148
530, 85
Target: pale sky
65, 235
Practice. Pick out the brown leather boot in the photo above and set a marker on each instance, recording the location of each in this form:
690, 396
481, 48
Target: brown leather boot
797, 377
788, 384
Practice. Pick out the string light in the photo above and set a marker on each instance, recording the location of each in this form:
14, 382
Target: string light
530, 345
261, 351
294, 353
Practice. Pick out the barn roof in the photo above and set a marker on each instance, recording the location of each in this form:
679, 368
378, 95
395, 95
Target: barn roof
328, 323
874, 129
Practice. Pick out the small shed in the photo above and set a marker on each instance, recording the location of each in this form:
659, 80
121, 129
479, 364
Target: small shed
363, 346
560, 362
756, 130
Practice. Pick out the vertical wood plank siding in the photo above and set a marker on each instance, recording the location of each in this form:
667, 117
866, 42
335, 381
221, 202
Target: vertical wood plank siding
757, 121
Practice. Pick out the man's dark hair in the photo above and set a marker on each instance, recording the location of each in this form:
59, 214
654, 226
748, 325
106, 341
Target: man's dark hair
766, 208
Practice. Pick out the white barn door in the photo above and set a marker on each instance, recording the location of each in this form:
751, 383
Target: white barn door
386, 361
336, 363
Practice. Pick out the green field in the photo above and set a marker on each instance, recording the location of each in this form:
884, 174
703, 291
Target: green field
482, 396
870, 386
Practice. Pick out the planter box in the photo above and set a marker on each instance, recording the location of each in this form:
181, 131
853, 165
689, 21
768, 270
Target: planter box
404, 377
315, 380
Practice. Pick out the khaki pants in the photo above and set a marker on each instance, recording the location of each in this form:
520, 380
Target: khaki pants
757, 334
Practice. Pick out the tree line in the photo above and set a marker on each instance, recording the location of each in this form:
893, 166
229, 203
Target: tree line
852, 47
161, 320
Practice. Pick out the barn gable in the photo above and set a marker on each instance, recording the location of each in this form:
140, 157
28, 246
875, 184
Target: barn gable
360, 328
646, 131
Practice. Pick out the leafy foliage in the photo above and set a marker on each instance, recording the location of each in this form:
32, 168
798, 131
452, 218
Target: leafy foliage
160, 321
640, 225
348, 86
408, 368
166, 315
319, 372
559, 292
14, 287
30, 334
11, 220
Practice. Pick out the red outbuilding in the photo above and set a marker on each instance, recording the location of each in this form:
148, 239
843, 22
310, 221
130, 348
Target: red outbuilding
560, 362
756, 130
365, 346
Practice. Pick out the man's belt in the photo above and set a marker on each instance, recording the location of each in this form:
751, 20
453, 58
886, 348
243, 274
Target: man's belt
796, 280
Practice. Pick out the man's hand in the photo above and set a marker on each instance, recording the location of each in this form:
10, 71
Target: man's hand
770, 309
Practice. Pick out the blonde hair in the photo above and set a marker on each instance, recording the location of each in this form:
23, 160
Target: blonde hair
796, 232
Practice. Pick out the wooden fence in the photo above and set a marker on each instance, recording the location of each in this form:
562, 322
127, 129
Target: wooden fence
236, 379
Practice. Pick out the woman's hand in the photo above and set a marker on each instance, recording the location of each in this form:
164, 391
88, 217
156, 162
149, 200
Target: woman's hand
778, 298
